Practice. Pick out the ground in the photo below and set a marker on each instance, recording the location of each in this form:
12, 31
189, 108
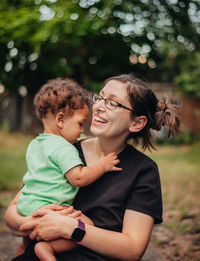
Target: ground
165, 245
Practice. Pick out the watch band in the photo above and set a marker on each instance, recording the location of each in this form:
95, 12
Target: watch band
79, 232
81, 224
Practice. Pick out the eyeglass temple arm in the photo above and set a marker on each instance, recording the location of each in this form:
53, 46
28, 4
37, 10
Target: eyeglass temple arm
123, 106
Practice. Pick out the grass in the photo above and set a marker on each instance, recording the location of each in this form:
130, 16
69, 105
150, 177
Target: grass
179, 170
180, 177
12, 160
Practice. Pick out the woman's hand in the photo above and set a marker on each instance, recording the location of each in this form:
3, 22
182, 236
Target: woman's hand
49, 227
62, 210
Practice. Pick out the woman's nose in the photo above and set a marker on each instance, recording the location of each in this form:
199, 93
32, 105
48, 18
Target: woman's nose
99, 105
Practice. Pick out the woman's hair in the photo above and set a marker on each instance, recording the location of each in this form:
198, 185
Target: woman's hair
159, 112
60, 94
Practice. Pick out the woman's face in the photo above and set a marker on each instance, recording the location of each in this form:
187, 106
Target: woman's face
112, 123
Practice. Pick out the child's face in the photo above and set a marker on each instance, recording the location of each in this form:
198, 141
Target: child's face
73, 125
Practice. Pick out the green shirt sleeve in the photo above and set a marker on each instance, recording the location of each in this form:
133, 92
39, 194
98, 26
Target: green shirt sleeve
66, 157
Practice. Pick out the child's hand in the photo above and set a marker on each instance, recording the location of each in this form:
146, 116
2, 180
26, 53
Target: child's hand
109, 161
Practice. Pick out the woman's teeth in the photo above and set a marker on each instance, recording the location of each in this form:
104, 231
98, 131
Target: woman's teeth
100, 119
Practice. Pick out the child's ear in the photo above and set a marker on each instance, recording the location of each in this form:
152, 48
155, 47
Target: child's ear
138, 124
60, 119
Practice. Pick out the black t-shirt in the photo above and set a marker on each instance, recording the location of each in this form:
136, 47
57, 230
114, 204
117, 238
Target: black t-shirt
136, 187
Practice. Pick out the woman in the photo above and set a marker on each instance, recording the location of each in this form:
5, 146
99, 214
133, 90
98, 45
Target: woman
123, 205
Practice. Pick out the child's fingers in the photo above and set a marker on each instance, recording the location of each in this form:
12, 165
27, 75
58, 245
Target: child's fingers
116, 161
116, 169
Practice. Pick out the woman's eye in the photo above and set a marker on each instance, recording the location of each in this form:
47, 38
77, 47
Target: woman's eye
112, 103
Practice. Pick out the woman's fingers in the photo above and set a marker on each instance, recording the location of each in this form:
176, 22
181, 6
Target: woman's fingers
28, 226
44, 210
33, 235
39, 213
63, 210
68, 210
38, 238
76, 214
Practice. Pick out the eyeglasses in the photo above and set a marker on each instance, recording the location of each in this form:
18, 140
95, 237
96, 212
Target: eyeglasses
109, 103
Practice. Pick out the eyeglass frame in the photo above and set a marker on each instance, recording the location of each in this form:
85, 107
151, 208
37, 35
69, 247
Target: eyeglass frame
105, 102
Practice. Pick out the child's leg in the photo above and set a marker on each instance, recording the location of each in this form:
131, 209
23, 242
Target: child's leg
45, 250
22, 246
20, 250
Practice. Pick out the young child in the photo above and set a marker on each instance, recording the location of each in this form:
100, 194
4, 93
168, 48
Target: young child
55, 170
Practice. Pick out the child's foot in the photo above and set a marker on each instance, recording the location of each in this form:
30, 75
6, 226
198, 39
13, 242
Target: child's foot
44, 252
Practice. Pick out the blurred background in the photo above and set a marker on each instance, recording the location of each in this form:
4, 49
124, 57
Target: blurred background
90, 40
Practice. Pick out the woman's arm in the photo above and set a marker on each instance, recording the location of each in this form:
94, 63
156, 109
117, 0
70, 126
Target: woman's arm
15, 220
128, 245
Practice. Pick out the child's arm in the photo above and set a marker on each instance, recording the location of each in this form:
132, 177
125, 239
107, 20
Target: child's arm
82, 176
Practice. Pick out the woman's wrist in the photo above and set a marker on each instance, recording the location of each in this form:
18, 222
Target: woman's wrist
79, 232
68, 226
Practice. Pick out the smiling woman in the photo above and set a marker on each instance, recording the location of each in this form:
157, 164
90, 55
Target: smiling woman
123, 205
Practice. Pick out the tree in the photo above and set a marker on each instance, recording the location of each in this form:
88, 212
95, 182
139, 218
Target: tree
188, 79
90, 40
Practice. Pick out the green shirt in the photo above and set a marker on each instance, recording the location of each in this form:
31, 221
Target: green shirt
48, 158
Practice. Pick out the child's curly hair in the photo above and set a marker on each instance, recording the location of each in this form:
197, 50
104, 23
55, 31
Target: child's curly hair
60, 94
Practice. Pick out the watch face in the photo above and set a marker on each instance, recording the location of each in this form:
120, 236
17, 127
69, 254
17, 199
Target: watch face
78, 234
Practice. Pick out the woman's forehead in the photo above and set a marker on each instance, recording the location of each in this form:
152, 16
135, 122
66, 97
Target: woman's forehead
115, 88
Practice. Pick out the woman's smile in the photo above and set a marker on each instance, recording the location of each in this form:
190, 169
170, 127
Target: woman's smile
99, 120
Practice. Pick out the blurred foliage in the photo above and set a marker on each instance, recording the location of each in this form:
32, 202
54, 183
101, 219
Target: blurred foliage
185, 136
90, 40
188, 79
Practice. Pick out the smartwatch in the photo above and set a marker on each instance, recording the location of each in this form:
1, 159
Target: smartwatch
79, 232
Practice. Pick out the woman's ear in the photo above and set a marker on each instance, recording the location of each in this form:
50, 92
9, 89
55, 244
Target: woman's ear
138, 124
60, 119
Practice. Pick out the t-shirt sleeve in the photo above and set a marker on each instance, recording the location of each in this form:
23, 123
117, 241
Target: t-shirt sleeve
145, 196
66, 157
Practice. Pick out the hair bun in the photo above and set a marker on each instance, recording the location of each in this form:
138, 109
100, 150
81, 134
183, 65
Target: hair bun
162, 105
167, 115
